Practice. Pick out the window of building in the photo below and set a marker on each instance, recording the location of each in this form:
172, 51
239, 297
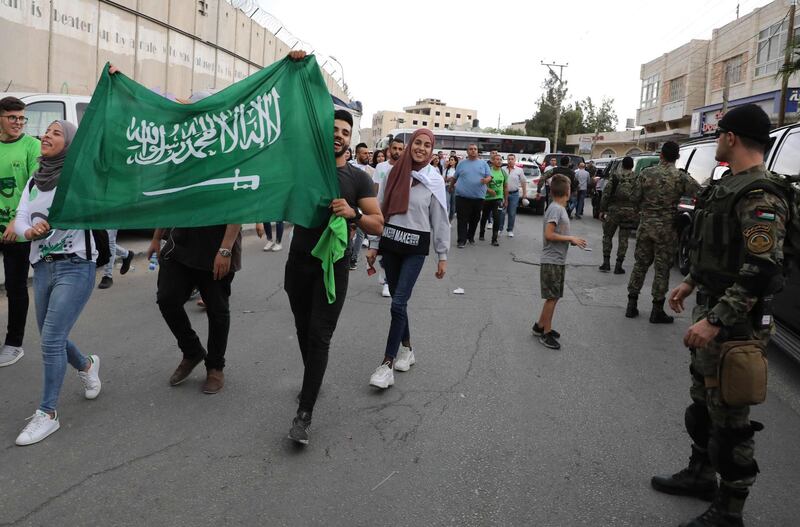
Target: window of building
458, 116
771, 47
436, 125
424, 123
414, 122
733, 67
438, 113
677, 88
447, 114
650, 90
469, 117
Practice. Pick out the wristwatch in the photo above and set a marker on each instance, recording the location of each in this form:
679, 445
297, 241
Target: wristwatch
713, 319
357, 217
225, 253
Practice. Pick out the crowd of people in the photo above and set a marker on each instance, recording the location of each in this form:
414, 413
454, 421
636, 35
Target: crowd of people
399, 203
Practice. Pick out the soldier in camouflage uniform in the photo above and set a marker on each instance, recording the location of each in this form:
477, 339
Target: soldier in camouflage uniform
657, 191
736, 265
617, 210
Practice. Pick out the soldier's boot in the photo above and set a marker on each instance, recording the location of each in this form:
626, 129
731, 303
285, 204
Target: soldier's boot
725, 511
698, 480
632, 311
606, 267
658, 316
618, 268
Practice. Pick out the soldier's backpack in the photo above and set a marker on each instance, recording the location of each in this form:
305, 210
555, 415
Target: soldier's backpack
101, 241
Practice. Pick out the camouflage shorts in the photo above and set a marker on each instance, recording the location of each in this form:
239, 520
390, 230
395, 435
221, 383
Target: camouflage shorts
551, 277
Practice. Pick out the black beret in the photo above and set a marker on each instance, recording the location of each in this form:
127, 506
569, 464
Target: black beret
749, 121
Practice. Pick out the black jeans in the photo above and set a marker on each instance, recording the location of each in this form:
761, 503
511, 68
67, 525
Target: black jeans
491, 206
16, 265
175, 284
468, 214
314, 318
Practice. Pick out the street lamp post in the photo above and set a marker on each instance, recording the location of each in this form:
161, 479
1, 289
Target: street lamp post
341, 68
560, 78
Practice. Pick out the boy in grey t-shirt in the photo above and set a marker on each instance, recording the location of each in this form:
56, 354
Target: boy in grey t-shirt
554, 257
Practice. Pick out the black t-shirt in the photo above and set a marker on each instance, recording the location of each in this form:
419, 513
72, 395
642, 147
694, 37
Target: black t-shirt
196, 247
354, 184
564, 171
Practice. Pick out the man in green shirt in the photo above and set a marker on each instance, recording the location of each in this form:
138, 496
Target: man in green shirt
19, 155
496, 197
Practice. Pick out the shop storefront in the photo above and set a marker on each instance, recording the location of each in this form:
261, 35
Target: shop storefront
705, 119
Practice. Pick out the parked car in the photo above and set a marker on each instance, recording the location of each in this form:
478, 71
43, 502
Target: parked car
43, 108
536, 201
697, 158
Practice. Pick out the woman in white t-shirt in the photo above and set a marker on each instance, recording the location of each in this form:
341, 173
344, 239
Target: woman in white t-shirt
63, 280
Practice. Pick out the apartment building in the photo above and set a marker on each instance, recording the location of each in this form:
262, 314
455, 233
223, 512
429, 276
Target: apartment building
673, 85
426, 113
683, 91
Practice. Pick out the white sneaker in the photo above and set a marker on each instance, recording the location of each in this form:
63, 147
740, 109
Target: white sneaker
277, 247
268, 246
385, 293
40, 426
10, 354
365, 243
383, 377
510, 234
405, 359
91, 379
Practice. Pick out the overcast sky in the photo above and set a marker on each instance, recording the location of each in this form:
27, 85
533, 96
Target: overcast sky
486, 55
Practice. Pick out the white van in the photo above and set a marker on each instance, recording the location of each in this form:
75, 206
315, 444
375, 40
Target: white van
43, 108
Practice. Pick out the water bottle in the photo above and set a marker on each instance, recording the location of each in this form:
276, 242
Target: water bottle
153, 262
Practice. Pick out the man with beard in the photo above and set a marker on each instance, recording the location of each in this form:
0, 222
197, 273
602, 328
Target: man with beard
393, 154
315, 319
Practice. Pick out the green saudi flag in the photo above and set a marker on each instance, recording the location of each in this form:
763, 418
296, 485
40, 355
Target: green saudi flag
259, 150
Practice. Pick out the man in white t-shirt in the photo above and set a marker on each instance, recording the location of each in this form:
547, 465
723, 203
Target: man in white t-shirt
393, 154
583, 177
517, 189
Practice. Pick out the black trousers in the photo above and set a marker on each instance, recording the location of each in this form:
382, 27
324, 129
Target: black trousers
314, 318
175, 284
468, 214
491, 207
16, 265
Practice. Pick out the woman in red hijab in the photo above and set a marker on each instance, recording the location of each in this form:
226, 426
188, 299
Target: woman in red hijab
414, 204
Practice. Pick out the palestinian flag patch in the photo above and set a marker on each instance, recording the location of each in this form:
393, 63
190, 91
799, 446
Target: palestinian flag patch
765, 214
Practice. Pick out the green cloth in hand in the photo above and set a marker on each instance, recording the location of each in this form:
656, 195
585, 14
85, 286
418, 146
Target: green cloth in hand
330, 249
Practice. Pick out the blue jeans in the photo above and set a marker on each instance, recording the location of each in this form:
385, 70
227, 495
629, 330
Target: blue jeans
401, 275
278, 231
355, 246
451, 204
571, 204
581, 201
60, 291
513, 203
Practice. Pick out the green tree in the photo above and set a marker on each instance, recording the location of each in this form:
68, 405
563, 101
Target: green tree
543, 122
599, 119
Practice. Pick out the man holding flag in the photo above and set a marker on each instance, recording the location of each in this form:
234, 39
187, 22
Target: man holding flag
315, 317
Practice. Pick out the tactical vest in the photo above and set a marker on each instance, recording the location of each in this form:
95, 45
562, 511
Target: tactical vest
716, 249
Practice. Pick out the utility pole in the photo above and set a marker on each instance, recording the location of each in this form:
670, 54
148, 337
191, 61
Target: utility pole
560, 78
786, 62
726, 88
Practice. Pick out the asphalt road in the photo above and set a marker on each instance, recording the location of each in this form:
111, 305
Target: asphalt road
488, 428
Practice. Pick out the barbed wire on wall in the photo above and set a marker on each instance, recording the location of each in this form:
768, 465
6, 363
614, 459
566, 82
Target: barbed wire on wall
253, 9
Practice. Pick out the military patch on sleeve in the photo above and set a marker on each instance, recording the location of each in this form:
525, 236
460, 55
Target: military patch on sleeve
759, 238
